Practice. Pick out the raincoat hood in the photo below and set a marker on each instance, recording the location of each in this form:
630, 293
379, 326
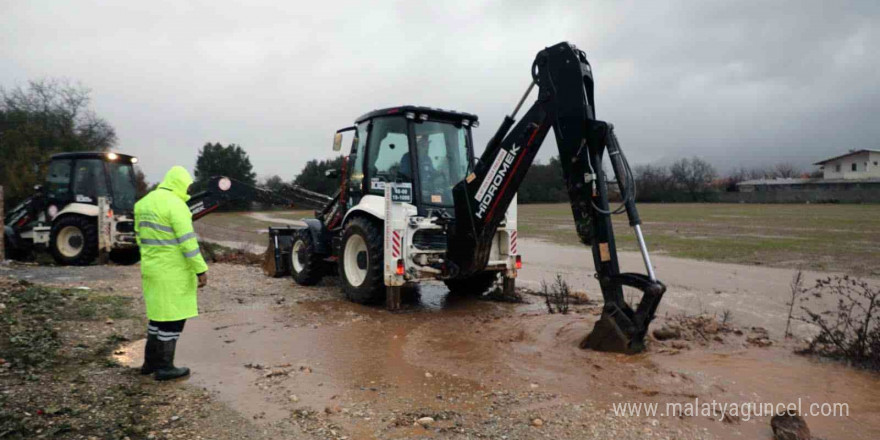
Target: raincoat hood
177, 180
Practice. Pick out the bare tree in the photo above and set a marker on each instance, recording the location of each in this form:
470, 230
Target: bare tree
653, 183
693, 174
786, 170
42, 118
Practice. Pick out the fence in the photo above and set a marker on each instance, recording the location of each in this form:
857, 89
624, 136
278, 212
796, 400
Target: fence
813, 192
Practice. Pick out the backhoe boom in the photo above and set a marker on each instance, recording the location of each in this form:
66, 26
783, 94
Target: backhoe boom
566, 104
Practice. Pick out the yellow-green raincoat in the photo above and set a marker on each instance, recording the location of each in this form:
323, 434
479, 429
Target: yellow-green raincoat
170, 257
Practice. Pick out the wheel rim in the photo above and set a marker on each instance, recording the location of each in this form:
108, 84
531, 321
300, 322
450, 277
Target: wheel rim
297, 256
70, 241
354, 246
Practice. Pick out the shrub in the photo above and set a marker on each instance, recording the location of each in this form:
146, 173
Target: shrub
852, 331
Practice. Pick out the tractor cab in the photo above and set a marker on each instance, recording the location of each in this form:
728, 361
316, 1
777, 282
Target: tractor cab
83, 177
429, 148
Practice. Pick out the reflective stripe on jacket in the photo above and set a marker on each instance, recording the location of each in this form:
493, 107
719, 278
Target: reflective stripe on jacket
170, 257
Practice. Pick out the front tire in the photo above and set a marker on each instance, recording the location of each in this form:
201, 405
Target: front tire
74, 240
306, 266
360, 265
474, 285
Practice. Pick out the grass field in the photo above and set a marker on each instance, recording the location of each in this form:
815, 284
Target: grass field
842, 238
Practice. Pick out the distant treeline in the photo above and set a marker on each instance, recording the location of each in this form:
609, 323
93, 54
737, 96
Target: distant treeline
686, 180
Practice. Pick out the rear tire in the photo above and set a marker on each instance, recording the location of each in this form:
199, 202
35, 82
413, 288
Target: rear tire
125, 257
74, 240
360, 262
306, 266
474, 285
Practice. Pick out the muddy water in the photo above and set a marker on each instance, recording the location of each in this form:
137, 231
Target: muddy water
447, 353
756, 295
778, 376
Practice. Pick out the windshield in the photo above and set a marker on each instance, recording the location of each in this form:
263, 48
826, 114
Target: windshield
122, 183
442, 160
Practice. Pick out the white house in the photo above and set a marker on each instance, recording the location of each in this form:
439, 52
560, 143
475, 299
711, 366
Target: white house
857, 164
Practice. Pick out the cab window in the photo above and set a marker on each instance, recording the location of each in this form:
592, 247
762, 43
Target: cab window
58, 180
388, 153
443, 160
89, 181
357, 170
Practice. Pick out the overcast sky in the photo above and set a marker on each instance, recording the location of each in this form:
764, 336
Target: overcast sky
735, 82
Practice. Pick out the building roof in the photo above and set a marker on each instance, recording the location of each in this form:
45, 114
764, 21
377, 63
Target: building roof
851, 153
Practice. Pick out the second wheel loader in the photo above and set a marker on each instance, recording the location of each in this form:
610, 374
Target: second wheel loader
415, 204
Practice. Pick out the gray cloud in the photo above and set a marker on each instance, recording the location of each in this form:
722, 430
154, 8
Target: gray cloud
734, 82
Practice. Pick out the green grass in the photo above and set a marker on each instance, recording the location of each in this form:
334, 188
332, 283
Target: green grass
822, 237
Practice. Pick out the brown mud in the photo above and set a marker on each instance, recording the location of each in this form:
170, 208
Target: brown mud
374, 372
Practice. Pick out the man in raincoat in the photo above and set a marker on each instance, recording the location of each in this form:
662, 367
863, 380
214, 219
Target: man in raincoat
172, 269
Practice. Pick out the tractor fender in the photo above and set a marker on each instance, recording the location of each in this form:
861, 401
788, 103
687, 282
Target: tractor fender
375, 207
370, 204
78, 208
319, 235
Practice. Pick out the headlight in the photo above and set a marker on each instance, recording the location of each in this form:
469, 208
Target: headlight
112, 156
134, 160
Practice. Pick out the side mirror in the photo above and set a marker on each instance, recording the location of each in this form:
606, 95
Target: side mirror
337, 139
332, 173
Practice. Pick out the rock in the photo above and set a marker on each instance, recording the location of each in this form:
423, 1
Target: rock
665, 333
335, 409
537, 423
293, 398
428, 375
760, 341
425, 422
711, 326
534, 386
681, 345
108, 321
790, 426
175, 418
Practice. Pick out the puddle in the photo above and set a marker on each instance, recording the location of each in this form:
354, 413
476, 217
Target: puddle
778, 376
444, 353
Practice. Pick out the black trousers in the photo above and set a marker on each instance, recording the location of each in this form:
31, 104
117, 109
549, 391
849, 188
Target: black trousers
166, 330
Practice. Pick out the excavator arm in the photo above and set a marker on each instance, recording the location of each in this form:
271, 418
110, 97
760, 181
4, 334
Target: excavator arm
224, 189
565, 104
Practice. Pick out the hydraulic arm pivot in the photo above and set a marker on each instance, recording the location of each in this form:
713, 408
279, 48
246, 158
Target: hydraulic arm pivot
565, 103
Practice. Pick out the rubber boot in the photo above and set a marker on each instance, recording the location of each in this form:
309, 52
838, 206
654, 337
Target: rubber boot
165, 368
151, 355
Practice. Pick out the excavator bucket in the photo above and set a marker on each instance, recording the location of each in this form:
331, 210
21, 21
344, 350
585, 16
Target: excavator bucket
608, 336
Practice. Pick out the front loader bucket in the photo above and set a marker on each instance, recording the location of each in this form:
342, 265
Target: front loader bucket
608, 336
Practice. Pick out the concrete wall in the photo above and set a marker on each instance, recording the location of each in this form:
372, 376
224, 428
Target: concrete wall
864, 163
849, 192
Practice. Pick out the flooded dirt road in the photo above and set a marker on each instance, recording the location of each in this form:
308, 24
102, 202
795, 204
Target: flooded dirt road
755, 295
491, 369
304, 363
